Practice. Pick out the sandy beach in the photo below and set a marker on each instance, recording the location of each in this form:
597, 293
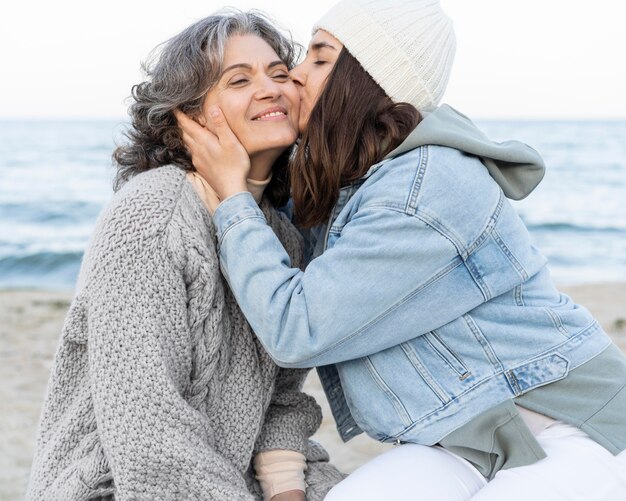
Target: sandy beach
30, 325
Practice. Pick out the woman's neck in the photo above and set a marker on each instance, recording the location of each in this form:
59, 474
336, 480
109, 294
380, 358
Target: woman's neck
261, 165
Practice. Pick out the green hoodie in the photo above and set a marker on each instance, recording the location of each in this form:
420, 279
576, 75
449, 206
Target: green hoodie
515, 166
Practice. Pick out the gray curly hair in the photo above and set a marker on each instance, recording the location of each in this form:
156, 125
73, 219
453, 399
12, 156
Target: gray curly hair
179, 73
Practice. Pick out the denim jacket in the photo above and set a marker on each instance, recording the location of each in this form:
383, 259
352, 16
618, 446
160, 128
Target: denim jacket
428, 306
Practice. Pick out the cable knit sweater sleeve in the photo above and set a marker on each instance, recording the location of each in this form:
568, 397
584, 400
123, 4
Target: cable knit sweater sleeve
158, 446
292, 417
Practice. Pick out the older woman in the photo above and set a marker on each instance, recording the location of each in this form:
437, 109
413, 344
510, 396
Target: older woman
159, 388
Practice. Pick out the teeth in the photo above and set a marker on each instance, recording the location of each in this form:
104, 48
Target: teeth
272, 114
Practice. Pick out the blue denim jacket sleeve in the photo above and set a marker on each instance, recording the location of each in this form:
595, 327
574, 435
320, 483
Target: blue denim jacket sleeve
388, 278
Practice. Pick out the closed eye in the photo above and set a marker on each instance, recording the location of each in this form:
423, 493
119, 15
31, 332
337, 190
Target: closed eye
239, 81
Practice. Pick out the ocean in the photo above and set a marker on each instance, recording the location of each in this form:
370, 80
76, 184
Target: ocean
56, 176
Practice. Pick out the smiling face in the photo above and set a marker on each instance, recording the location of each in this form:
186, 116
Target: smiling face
257, 97
311, 74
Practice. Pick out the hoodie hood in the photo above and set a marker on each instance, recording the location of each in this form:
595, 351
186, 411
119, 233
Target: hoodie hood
515, 166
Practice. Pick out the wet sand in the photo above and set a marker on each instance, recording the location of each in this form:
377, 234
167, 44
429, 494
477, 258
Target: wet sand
30, 326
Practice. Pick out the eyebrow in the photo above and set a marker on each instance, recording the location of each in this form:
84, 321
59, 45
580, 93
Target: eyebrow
322, 45
249, 67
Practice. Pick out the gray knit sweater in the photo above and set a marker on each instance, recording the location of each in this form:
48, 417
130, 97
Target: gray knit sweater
159, 389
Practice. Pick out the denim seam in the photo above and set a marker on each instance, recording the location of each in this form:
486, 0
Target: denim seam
333, 217
443, 407
467, 253
509, 255
482, 340
592, 327
487, 230
230, 226
395, 401
392, 206
427, 220
519, 295
475, 386
411, 205
432, 222
336, 399
451, 353
447, 404
478, 279
556, 321
513, 383
423, 371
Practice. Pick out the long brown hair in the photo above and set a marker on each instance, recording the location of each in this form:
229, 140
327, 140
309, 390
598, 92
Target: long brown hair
353, 126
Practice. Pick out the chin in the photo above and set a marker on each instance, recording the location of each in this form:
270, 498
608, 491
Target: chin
274, 146
272, 138
281, 140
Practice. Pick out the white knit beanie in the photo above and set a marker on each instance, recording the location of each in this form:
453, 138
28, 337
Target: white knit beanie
407, 46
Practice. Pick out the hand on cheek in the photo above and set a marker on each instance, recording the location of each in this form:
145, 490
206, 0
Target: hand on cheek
216, 153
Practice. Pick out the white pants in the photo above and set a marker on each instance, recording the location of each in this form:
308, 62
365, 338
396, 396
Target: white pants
576, 469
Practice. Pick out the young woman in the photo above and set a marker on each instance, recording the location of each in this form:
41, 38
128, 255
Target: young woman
434, 318
159, 389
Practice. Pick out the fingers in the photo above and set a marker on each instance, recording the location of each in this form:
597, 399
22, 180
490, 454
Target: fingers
194, 134
219, 125
188, 125
216, 153
190, 144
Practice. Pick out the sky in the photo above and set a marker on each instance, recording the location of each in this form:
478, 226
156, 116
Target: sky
537, 59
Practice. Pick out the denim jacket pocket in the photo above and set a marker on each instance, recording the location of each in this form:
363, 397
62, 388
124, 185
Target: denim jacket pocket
393, 398
384, 404
447, 355
538, 372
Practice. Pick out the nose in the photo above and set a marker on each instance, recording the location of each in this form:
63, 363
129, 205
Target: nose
298, 75
268, 89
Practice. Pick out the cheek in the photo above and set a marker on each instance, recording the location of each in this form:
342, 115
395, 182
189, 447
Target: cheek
293, 96
233, 104
234, 113
319, 85
213, 99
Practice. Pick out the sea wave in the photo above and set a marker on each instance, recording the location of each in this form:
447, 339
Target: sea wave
65, 212
55, 178
42, 269
558, 227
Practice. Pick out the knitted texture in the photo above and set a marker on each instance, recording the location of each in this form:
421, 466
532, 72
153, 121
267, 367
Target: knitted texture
407, 46
159, 389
